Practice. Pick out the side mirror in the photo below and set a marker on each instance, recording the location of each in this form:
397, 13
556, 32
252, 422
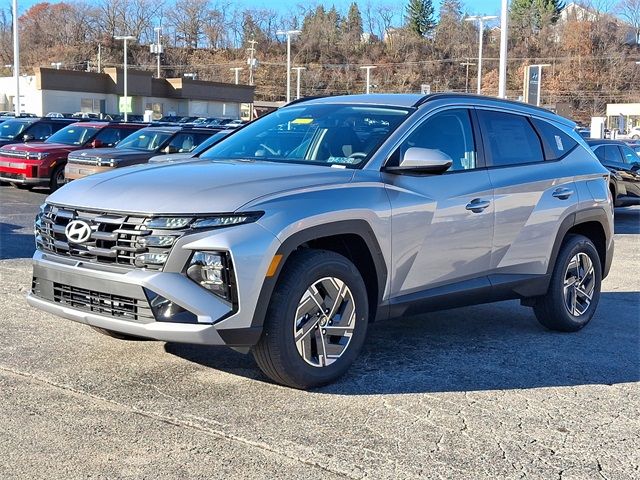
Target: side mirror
635, 166
422, 161
97, 144
27, 138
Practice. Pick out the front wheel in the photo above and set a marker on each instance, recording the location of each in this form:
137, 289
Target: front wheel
574, 289
57, 178
316, 322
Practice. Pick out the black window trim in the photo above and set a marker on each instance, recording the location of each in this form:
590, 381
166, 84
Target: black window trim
487, 152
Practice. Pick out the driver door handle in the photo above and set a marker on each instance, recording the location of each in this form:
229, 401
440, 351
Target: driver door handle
562, 193
477, 205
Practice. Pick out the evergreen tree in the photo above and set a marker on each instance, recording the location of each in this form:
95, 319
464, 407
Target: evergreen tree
420, 17
451, 10
534, 14
353, 23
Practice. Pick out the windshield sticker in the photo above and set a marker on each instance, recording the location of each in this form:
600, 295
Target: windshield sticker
302, 121
559, 143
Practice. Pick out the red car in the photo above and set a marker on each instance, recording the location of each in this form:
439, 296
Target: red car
42, 163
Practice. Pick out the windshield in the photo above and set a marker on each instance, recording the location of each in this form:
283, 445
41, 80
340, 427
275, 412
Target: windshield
321, 134
72, 135
145, 139
12, 128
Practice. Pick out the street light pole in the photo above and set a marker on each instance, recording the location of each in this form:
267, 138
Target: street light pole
57, 65
16, 58
237, 71
158, 48
504, 26
480, 19
289, 34
125, 38
368, 68
298, 70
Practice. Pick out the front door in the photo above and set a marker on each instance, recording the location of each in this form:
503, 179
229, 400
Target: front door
442, 225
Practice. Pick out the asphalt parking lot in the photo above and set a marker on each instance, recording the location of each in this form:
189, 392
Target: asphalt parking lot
477, 392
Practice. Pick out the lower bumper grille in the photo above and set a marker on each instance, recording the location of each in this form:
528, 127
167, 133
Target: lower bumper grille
100, 303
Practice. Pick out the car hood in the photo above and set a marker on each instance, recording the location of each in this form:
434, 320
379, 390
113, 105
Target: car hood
111, 153
203, 186
41, 147
171, 157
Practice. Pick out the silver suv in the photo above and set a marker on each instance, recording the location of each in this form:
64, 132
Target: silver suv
290, 236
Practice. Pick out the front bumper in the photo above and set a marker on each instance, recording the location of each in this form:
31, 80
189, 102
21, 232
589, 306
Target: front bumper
22, 179
24, 172
74, 171
100, 293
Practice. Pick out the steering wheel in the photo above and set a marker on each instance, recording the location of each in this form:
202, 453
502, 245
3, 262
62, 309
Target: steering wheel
268, 149
358, 155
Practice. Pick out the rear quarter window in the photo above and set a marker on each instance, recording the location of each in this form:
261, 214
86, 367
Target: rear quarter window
556, 143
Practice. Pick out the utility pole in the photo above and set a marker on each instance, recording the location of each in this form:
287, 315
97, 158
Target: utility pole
157, 48
251, 61
237, 71
289, 34
99, 58
298, 70
480, 19
16, 58
504, 25
368, 68
466, 82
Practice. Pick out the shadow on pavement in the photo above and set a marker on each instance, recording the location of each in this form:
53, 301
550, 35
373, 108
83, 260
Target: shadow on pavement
627, 220
487, 347
13, 244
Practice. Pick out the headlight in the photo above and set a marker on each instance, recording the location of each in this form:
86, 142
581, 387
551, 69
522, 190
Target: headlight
37, 155
214, 221
105, 162
211, 270
168, 223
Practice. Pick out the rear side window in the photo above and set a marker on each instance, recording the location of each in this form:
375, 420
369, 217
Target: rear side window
609, 153
509, 139
556, 143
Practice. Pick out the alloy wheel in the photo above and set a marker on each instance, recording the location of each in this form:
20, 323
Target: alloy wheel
324, 322
579, 284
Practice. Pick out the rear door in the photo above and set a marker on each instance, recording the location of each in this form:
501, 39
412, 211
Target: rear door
533, 192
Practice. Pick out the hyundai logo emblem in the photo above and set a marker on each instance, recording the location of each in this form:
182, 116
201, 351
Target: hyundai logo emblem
78, 231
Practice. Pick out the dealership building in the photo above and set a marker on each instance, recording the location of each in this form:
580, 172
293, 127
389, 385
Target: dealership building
70, 91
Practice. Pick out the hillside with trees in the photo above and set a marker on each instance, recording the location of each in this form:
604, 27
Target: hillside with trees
589, 49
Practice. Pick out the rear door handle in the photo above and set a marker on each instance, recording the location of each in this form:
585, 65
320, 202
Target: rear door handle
477, 205
562, 193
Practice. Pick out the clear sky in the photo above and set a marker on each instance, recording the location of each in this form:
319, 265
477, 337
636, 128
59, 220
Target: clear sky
471, 6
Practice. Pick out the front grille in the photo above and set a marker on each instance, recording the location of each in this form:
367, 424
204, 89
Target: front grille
106, 304
12, 154
115, 239
83, 160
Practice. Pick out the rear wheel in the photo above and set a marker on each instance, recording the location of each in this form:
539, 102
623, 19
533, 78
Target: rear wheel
57, 178
316, 322
574, 290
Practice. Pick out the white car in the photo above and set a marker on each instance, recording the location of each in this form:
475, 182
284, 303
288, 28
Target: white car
634, 133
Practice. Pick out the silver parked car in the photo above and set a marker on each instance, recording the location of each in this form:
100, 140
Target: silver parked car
289, 237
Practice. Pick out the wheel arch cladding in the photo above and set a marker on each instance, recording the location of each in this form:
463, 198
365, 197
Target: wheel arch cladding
353, 239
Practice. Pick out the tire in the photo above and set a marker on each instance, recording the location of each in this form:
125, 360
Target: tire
295, 365
57, 178
636, 137
553, 310
120, 336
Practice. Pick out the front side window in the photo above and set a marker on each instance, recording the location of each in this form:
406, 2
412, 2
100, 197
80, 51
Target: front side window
39, 130
73, 135
612, 154
145, 139
509, 139
110, 137
318, 134
12, 129
449, 132
184, 142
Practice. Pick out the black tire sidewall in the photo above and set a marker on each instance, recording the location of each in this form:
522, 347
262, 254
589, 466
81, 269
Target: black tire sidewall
53, 185
328, 264
565, 321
